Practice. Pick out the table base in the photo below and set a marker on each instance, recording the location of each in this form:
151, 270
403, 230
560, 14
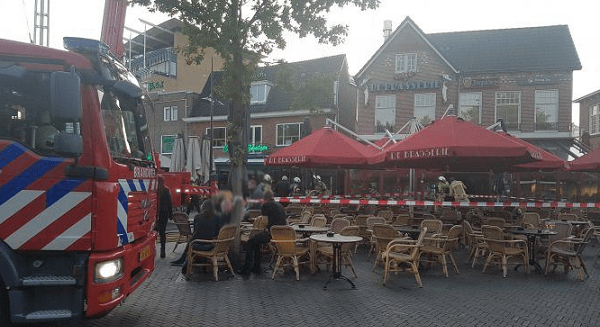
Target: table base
337, 267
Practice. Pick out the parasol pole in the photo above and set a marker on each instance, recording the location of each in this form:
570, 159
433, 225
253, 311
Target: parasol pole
329, 121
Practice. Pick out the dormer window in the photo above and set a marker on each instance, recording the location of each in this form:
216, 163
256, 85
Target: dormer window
406, 62
259, 91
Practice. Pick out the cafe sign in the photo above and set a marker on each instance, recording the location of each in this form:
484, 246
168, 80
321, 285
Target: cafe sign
252, 148
415, 154
285, 160
412, 85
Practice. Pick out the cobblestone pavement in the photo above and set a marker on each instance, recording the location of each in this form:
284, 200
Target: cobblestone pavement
468, 299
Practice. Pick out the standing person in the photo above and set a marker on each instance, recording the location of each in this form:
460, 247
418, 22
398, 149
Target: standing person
458, 190
443, 188
295, 188
320, 186
282, 188
276, 215
165, 213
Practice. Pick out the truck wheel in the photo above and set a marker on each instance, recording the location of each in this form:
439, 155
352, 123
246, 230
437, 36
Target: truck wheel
4, 322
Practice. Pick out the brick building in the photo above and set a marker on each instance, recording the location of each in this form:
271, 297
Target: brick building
523, 76
589, 119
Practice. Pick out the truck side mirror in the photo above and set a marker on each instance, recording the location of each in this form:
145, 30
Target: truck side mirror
65, 96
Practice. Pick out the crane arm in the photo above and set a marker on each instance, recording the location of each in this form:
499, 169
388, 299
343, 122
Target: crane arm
113, 25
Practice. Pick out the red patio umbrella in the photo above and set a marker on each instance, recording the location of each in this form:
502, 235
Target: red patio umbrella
545, 160
326, 147
454, 144
588, 162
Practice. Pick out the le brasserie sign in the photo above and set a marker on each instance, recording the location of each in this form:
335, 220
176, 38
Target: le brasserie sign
425, 153
285, 160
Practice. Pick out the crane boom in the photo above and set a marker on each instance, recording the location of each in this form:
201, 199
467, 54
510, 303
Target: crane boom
113, 25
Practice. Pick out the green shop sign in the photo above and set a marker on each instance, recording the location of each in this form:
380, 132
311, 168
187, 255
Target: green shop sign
251, 148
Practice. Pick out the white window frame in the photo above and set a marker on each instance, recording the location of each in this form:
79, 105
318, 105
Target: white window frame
406, 62
385, 108
507, 98
170, 113
286, 139
468, 101
424, 103
218, 142
162, 145
594, 123
260, 89
545, 101
254, 140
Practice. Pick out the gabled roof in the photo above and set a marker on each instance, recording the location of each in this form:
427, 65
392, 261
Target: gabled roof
545, 48
278, 98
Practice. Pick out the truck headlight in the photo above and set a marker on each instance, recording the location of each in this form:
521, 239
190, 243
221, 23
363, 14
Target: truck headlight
107, 271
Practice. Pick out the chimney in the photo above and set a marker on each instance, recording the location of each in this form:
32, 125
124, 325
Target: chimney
387, 29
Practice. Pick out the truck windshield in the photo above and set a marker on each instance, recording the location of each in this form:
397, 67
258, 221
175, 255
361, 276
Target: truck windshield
125, 126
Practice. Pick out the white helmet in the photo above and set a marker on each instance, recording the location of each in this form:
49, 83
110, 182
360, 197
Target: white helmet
267, 178
318, 177
296, 179
442, 178
284, 178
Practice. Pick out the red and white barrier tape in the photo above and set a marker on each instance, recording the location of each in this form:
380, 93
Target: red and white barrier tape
416, 203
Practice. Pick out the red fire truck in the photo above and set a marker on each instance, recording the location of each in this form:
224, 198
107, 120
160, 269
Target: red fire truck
78, 182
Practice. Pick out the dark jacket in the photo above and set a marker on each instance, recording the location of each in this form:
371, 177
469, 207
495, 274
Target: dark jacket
275, 212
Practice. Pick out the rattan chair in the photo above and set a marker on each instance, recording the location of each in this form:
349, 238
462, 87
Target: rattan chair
495, 221
337, 224
304, 218
381, 236
402, 252
288, 248
499, 247
474, 240
259, 225
215, 257
182, 221
402, 219
345, 251
442, 247
318, 221
568, 253
388, 215
530, 220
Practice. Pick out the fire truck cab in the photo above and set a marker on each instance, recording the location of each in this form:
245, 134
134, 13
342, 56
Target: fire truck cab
78, 184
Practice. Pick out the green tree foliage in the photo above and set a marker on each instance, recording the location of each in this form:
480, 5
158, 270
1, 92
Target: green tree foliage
244, 31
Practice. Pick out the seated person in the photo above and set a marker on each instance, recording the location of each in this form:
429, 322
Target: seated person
44, 135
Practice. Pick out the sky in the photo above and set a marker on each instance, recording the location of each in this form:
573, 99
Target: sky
83, 18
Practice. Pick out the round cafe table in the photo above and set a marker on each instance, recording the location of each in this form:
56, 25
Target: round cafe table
307, 230
532, 235
336, 240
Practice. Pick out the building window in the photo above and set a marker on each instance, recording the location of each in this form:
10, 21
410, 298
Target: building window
287, 133
255, 134
259, 92
470, 107
170, 113
406, 62
166, 143
425, 108
385, 113
594, 119
508, 108
219, 136
546, 110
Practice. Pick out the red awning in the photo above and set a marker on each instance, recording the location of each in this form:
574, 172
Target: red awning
588, 162
326, 148
454, 144
545, 159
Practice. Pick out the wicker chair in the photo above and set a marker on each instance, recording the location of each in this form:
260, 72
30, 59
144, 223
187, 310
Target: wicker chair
568, 253
288, 248
495, 221
346, 250
388, 215
474, 239
318, 221
304, 218
259, 225
530, 220
442, 246
400, 252
500, 247
567, 216
381, 236
218, 254
434, 226
361, 222
402, 219
337, 224
182, 221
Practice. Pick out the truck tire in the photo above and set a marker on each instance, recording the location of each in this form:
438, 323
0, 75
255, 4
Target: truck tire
4, 321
